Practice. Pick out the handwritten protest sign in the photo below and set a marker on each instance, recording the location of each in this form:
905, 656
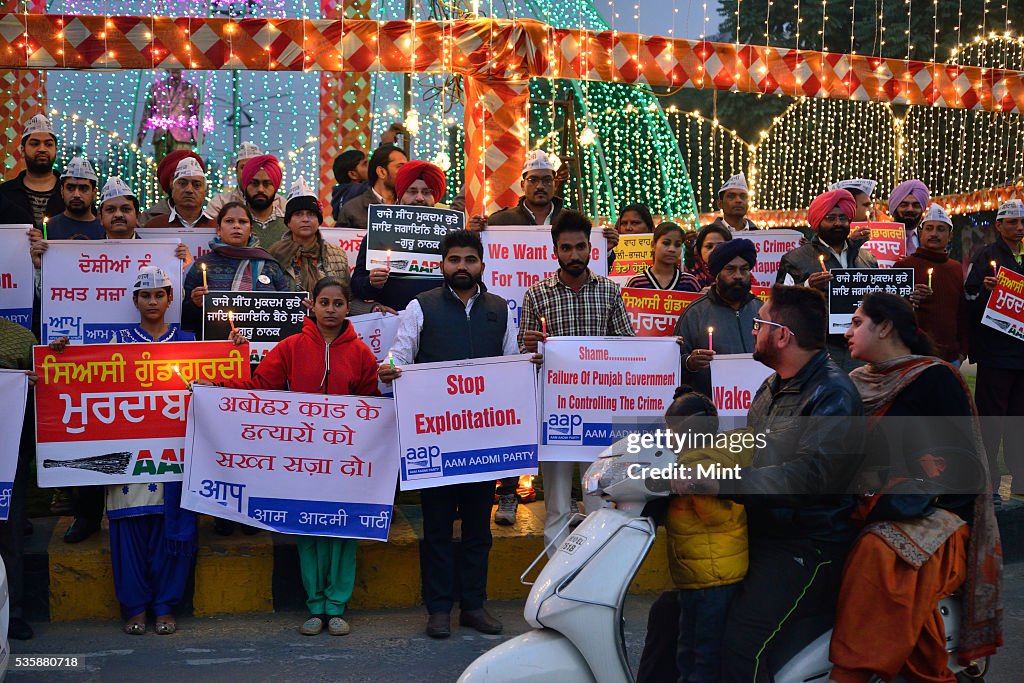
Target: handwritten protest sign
13, 397
888, 241
596, 390
848, 287
196, 239
17, 285
632, 257
407, 239
735, 378
377, 330
1005, 308
265, 318
520, 256
771, 246
296, 463
654, 312
348, 239
115, 414
87, 286
479, 424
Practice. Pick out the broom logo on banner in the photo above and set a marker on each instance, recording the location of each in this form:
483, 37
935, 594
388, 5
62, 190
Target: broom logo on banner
563, 428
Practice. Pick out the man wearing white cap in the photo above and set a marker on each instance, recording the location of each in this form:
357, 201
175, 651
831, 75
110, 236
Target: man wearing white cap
33, 195
538, 205
246, 151
733, 201
939, 293
78, 187
188, 195
999, 391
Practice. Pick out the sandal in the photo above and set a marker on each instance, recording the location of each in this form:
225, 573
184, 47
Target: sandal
136, 626
166, 625
313, 626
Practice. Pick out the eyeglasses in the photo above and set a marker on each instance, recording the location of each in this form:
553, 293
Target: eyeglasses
758, 322
545, 180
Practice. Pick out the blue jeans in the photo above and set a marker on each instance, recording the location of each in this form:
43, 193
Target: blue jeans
702, 614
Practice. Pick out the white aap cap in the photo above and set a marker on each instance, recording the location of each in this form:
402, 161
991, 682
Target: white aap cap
861, 184
188, 168
113, 188
38, 124
151, 277
246, 151
936, 213
539, 160
79, 167
1013, 208
737, 182
300, 188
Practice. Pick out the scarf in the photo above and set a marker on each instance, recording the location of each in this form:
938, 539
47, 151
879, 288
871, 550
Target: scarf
305, 260
701, 272
249, 254
981, 632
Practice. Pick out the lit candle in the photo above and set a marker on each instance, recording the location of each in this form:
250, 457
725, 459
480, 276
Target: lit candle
231, 319
391, 360
993, 264
711, 339
44, 228
930, 271
177, 371
544, 327
389, 259
205, 285
821, 260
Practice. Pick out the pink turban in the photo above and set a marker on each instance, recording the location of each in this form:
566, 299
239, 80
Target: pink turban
904, 190
412, 171
265, 162
824, 203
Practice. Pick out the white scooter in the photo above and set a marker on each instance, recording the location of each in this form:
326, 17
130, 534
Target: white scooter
575, 605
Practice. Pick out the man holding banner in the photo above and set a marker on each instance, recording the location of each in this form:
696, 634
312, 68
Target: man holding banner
574, 302
456, 321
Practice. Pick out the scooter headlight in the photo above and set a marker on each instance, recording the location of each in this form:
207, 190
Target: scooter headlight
603, 473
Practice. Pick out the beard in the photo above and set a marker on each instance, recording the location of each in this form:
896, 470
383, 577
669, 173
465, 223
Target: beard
461, 280
909, 222
35, 165
733, 292
261, 202
574, 268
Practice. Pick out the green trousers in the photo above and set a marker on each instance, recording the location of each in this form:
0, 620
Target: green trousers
328, 568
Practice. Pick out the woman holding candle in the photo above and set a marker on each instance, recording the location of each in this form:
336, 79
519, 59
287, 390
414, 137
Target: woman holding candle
696, 259
930, 526
234, 264
664, 273
326, 357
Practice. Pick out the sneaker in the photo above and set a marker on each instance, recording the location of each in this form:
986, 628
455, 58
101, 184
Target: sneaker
338, 627
506, 512
313, 626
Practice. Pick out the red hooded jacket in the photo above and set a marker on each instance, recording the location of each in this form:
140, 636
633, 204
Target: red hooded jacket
304, 362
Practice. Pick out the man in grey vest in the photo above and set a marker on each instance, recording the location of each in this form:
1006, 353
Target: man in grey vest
456, 321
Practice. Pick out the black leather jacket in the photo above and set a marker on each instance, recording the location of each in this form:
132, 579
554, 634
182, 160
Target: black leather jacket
799, 485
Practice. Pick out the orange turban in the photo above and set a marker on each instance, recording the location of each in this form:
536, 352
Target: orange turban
264, 162
824, 203
412, 171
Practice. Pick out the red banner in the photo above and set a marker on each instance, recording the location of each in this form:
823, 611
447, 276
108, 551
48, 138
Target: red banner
1005, 309
888, 241
654, 312
115, 413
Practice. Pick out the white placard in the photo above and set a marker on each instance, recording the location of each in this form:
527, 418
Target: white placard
13, 397
518, 257
377, 330
16, 278
196, 239
596, 390
291, 462
348, 239
467, 421
735, 378
87, 286
771, 246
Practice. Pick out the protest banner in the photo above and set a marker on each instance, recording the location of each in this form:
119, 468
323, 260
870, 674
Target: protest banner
348, 239
771, 246
13, 397
115, 414
377, 330
196, 239
291, 462
654, 312
87, 286
520, 256
467, 421
848, 287
888, 241
1005, 308
407, 239
735, 378
17, 283
596, 390
265, 318
632, 257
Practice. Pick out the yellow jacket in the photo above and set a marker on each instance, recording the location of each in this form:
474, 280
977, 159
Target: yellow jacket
707, 536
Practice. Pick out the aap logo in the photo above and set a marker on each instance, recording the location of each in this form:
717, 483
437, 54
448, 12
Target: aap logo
563, 428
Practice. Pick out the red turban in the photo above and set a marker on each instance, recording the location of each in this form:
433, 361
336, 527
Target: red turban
265, 162
165, 169
824, 203
412, 171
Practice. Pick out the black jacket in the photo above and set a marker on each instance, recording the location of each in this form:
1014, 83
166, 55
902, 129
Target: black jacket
801, 482
519, 215
353, 213
989, 346
15, 206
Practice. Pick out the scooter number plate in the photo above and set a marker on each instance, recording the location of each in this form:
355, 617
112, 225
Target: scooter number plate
572, 543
